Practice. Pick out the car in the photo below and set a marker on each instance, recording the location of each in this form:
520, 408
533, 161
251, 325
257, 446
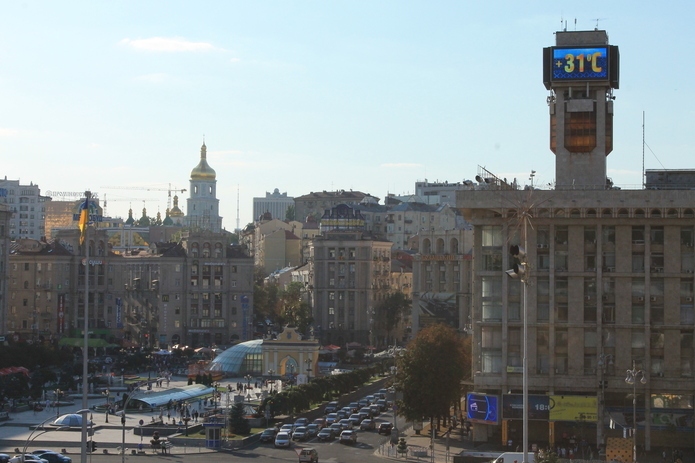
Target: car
325, 434
331, 407
385, 428
356, 419
382, 404
308, 455
367, 425
30, 457
370, 398
363, 403
268, 435
299, 433
376, 410
331, 418
320, 422
301, 422
4, 458
53, 457
345, 423
354, 406
366, 410
312, 430
337, 428
348, 437
288, 428
40, 451
283, 439
342, 414
365, 415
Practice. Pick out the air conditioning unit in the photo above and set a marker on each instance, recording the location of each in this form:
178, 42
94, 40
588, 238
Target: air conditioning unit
610, 269
653, 299
689, 299
640, 299
587, 297
605, 297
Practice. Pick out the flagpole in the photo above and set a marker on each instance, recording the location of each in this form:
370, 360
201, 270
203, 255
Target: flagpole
85, 347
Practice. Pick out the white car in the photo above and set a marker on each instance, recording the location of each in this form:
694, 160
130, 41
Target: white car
283, 439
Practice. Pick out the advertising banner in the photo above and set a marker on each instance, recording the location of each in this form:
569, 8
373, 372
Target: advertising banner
573, 408
482, 408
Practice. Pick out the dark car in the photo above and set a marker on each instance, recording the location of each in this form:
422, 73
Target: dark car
385, 428
54, 457
331, 407
4, 458
325, 434
268, 435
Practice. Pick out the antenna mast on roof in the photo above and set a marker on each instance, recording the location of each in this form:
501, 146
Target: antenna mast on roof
237, 208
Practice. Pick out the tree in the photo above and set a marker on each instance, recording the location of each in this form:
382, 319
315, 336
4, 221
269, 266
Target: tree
290, 213
390, 313
294, 310
238, 423
430, 373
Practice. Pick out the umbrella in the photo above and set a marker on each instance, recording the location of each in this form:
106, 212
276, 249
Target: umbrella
203, 350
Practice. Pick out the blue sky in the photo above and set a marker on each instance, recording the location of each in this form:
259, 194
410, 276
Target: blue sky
318, 95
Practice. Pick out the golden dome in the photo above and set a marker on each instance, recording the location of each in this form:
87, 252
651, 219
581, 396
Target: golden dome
203, 171
175, 211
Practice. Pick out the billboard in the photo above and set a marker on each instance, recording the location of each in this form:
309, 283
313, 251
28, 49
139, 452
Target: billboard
513, 407
573, 408
438, 308
482, 408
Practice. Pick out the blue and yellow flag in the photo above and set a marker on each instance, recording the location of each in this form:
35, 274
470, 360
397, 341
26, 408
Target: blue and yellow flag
84, 220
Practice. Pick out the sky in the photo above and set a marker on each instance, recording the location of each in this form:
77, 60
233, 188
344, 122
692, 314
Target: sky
315, 95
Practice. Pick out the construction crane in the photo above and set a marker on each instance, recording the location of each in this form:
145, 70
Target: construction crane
130, 200
145, 188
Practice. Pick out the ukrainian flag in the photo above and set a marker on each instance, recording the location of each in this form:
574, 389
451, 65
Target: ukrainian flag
84, 220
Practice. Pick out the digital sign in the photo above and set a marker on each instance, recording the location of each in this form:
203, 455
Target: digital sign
580, 63
482, 408
513, 407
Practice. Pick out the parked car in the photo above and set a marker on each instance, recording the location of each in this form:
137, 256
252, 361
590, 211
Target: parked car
331, 407
308, 455
345, 423
283, 439
367, 425
312, 430
325, 434
299, 434
385, 428
53, 457
301, 422
348, 437
320, 422
268, 435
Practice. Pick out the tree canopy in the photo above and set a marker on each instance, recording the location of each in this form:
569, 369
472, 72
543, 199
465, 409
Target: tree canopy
294, 310
430, 373
390, 313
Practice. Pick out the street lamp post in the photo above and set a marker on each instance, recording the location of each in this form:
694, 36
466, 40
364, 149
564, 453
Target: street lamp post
309, 362
248, 379
271, 372
107, 394
633, 376
57, 394
44, 430
123, 413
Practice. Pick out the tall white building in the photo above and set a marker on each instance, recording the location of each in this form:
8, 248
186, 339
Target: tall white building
203, 207
27, 207
276, 203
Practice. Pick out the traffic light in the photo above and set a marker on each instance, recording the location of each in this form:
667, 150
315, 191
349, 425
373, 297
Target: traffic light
94, 446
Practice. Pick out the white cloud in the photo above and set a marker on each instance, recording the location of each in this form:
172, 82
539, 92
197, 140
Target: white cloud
154, 78
234, 60
167, 44
5, 132
401, 164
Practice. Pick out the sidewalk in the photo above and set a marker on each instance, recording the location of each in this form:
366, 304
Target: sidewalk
21, 428
419, 446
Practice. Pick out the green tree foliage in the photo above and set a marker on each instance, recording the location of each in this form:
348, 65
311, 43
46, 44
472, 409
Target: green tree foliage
430, 373
238, 423
290, 213
391, 312
294, 310
546, 456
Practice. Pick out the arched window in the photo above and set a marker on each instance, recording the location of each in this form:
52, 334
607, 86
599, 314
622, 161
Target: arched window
544, 213
622, 213
206, 250
218, 250
655, 213
440, 246
688, 213
560, 213
454, 246
426, 246
639, 213
606, 213
574, 213
672, 214
194, 250
591, 212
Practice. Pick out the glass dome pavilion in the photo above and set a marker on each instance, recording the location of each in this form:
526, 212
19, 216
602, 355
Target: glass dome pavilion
240, 360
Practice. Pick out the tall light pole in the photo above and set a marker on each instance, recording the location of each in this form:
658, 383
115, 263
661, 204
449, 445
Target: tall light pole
57, 394
271, 372
603, 361
106, 394
633, 376
309, 362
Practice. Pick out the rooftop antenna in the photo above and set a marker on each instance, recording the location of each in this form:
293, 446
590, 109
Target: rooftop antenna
597, 20
575, 24
237, 208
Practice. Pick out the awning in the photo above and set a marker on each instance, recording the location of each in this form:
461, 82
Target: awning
161, 398
79, 342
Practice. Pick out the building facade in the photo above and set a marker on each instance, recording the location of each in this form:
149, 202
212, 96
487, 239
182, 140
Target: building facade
275, 203
26, 205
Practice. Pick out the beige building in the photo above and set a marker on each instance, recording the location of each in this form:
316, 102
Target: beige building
4, 264
316, 203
